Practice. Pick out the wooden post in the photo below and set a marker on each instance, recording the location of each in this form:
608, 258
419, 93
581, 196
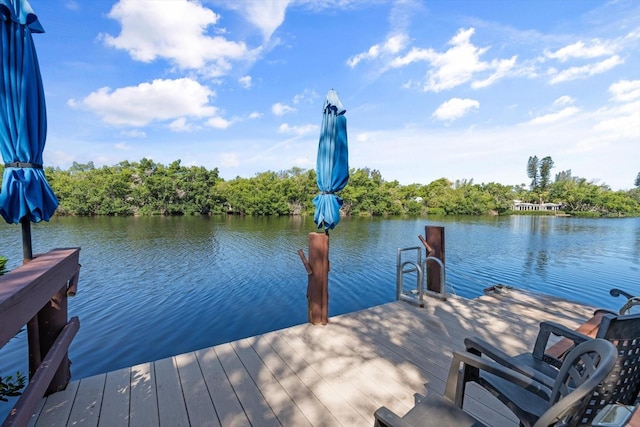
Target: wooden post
317, 288
435, 239
52, 318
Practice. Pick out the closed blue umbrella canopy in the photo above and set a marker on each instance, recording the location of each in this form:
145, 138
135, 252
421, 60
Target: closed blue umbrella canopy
25, 194
332, 164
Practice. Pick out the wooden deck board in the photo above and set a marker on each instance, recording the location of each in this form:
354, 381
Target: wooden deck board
253, 402
57, 408
115, 403
274, 393
143, 410
172, 410
309, 404
332, 375
199, 405
227, 406
86, 407
320, 389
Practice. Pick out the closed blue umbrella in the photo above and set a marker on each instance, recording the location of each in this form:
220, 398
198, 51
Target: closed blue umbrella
332, 164
25, 196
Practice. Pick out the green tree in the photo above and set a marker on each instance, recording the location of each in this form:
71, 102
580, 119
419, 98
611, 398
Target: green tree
546, 164
502, 196
150, 188
364, 194
539, 171
564, 175
533, 172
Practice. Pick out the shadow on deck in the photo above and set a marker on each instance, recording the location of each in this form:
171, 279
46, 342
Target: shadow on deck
337, 374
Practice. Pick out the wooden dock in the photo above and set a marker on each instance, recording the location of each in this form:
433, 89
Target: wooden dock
333, 375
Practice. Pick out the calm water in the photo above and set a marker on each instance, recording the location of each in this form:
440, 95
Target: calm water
154, 287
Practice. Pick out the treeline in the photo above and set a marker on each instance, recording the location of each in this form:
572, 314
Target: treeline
149, 188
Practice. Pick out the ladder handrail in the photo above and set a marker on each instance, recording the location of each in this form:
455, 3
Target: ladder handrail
420, 267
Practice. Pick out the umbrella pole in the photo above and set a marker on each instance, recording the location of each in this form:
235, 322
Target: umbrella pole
33, 328
27, 249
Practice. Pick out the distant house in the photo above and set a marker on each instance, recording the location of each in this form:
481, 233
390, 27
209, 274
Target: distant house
522, 206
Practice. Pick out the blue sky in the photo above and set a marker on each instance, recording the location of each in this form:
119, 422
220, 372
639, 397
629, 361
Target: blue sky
455, 89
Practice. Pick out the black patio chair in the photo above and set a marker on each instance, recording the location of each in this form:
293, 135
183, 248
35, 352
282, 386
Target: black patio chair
622, 385
583, 369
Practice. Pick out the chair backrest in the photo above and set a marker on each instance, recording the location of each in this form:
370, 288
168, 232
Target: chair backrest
582, 370
622, 385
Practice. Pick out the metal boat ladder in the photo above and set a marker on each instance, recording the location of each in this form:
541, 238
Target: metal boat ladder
416, 265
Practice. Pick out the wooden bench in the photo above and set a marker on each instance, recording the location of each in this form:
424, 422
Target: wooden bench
39, 289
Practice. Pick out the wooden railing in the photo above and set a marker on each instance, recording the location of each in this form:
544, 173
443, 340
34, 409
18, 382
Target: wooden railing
36, 294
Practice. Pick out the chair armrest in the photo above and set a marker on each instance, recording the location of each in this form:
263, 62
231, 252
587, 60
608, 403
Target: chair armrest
479, 346
617, 292
605, 311
454, 386
385, 418
548, 328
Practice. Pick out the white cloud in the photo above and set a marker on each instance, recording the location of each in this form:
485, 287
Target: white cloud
308, 95
122, 146
584, 71
414, 55
457, 65
245, 82
150, 31
156, 101
564, 100
594, 49
229, 160
554, 117
619, 122
625, 90
219, 123
393, 45
72, 5
504, 150
181, 125
454, 109
255, 115
297, 130
303, 162
266, 15
134, 133
365, 136
280, 109
502, 68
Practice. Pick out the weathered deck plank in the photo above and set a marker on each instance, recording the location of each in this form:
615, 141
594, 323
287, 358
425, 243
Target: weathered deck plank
172, 410
115, 404
88, 402
144, 397
309, 404
324, 389
274, 393
226, 403
331, 375
199, 405
253, 403
57, 408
